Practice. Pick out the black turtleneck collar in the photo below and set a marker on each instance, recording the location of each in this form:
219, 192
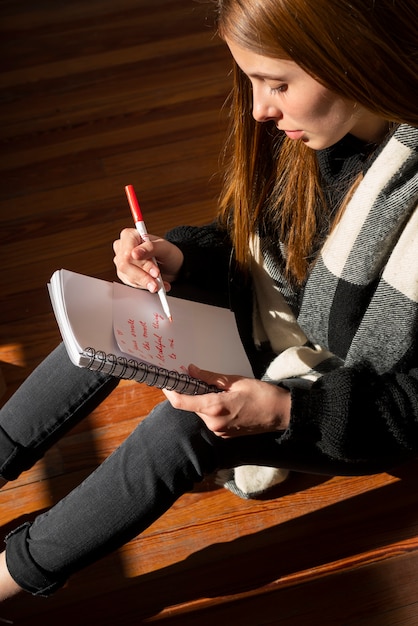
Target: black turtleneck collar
340, 165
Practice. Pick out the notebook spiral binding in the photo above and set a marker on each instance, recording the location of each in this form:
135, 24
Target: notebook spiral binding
152, 375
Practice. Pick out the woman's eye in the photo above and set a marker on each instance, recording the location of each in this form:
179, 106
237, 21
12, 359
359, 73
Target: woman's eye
279, 89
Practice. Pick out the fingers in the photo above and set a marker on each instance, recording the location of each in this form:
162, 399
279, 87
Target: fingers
134, 261
210, 410
212, 378
139, 262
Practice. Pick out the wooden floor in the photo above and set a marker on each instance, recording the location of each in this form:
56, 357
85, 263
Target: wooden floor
96, 95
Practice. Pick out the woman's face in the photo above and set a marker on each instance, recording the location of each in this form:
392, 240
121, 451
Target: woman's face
300, 106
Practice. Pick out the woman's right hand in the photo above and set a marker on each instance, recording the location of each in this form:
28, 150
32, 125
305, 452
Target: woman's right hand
134, 260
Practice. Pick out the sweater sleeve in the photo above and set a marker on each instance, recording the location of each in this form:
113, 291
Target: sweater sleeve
205, 272
356, 420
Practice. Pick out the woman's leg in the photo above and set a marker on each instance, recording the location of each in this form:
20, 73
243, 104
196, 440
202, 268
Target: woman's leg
55, 397
162, 459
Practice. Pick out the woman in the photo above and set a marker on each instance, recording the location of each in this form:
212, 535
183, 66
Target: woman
319, 210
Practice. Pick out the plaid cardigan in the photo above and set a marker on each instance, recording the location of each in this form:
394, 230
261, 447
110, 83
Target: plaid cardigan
349, 351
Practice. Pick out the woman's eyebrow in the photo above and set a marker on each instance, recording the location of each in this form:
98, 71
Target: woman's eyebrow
266, 75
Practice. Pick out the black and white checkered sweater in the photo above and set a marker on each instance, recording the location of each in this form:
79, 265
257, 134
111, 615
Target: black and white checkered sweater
358, 317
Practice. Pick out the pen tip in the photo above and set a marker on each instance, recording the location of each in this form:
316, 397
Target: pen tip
170, 319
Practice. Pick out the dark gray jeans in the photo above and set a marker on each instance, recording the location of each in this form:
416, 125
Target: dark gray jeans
162, 458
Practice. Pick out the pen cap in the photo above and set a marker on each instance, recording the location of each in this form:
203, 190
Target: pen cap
133, 203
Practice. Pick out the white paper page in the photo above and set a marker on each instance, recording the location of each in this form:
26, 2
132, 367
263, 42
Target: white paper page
83, 308
204, 335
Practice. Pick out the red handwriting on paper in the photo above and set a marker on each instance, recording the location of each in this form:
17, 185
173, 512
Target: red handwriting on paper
144, 328
159, 347
157, 319
120, 334
132, 327
147, 339
162, 354
172, 354
144, 332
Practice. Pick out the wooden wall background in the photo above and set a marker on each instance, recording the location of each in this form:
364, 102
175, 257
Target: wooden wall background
93, 96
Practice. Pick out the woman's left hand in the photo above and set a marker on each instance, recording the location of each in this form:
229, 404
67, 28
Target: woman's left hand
244, 407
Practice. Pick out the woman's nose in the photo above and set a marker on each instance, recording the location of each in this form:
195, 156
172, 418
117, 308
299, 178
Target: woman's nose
264, 107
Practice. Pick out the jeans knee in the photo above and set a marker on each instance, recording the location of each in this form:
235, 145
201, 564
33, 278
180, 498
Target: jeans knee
175, 424
184, 436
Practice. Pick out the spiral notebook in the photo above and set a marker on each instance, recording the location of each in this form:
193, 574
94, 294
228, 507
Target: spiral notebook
122, 331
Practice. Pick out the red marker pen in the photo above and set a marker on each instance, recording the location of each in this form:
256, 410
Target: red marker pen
141, 228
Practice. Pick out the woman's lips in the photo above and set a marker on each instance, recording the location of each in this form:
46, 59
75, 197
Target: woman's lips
294, 134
